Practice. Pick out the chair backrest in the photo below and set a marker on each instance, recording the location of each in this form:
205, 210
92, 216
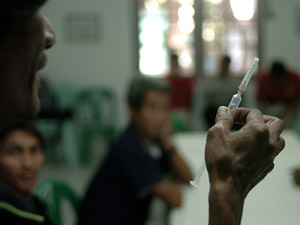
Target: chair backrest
178, 123
97, 106
53, 192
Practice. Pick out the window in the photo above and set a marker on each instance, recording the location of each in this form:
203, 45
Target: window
229, 27
165, 27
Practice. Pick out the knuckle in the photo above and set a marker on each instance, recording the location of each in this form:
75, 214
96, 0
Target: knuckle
256, 111
271, 167
280, 123
261, 132
279, 147
277, 123
282, 143
268, 168
215, 130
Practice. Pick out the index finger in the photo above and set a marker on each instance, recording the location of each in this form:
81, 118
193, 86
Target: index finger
243, 115
224, 118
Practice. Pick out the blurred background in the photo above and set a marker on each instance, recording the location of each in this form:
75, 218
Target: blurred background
202, 47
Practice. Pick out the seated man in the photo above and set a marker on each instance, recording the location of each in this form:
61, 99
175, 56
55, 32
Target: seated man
278, 93
141, 163
21, 159
181, 94
217, 90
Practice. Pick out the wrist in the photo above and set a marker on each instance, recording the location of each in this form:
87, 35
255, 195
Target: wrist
225, 192
167, 144
171, 151
225, 204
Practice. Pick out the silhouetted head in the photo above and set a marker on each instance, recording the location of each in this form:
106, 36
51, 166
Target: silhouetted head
24, 36
224, 65
278, 71
174, 64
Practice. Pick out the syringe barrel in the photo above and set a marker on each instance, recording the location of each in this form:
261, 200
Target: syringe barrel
248, 75
235, 101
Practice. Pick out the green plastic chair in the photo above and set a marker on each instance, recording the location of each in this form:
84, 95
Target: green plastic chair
178, 123
53, 192
167, 215
96, 111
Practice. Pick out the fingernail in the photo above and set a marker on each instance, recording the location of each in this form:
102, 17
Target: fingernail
223, 110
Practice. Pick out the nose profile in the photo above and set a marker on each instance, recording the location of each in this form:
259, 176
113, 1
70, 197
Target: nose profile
50, 37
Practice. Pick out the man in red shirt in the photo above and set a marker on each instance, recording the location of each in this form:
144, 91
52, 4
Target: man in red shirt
279, 92
181, 94
181, 87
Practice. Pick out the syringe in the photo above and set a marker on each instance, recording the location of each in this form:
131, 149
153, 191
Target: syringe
237, 98
234, 103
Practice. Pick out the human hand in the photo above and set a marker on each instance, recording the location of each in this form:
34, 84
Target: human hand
240, 160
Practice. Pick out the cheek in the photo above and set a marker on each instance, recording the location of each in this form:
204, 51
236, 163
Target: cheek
152, 123
10, 167
39, 162
148, 118
154, 118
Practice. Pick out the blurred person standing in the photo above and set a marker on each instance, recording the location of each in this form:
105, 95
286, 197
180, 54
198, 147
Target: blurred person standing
181, 94
217, 91
278, 92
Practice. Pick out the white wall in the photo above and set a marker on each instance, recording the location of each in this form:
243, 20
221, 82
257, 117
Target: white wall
110, 61
281, 37
103, 63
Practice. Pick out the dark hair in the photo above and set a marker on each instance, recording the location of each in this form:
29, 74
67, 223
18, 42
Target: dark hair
26, 127
226, 59
11, 11
140, 86
278, 71
278, 68
16, 8
174, 57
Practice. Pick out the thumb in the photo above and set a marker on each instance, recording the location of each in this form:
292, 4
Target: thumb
224, 118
